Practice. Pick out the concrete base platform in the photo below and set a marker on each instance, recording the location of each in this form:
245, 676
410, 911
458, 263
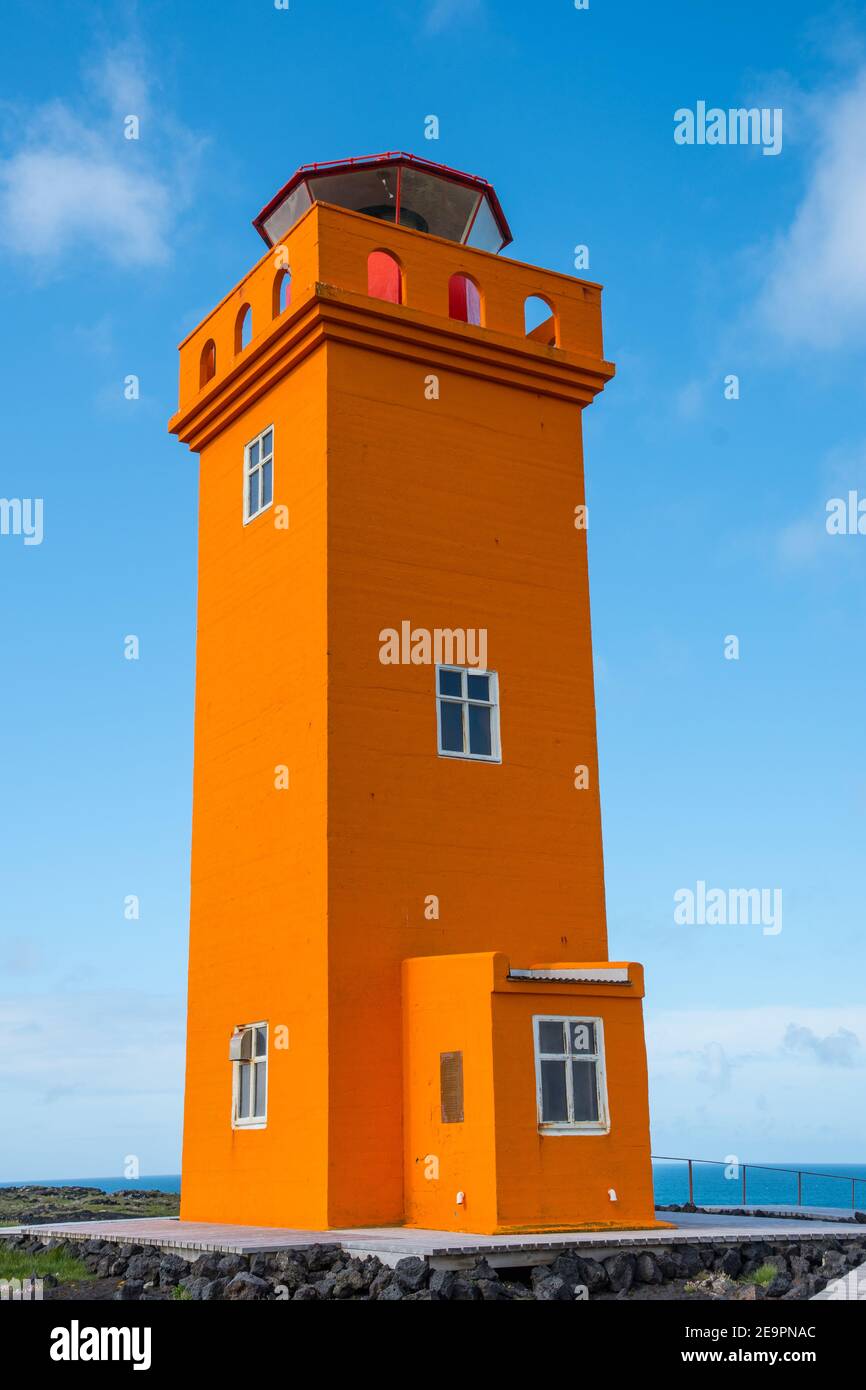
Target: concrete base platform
445, 1249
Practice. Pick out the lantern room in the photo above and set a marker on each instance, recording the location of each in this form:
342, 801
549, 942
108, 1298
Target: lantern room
394, 187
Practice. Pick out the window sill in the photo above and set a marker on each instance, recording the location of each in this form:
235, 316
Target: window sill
249, 1124
558, 1131
248, 520
470, 757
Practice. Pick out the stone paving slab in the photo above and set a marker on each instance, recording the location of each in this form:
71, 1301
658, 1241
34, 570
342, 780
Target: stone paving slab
394, 1243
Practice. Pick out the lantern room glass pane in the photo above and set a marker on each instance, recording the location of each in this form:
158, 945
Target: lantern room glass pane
485, 233
373, 191
443, 206
290, 210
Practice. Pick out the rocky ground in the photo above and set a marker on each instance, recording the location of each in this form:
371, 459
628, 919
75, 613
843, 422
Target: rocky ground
752, 1270
25, 1205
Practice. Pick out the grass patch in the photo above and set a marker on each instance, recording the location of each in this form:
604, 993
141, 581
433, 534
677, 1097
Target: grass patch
16, 1264
763, 1276
182, 1295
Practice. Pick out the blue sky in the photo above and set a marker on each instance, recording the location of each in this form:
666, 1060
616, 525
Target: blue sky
707, 515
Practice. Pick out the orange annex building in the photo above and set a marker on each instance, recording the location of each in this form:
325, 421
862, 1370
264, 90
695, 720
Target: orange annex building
401, 1007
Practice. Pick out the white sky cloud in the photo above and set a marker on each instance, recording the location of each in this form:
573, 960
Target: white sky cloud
815, 293
70, 179
91, 1078
782, 1083
745, 1034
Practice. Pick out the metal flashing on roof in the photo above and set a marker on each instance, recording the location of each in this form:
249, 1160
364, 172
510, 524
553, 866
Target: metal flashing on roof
606, 975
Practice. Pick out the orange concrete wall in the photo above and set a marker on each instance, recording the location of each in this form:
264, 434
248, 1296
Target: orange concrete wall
259, 889
450, 513
512, 1176
447, 1008
548, 1180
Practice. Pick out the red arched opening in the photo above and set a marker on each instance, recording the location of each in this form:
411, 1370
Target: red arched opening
384, 277
464, 299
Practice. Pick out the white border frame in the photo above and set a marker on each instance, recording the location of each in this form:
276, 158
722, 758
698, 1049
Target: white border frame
464, 699
257, 439
561, 1127
255, 1121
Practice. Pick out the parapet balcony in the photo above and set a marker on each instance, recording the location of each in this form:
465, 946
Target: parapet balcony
339, 271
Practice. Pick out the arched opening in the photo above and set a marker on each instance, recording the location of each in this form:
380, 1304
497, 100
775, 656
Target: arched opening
384, 277
540, 321
282, 293
464, 299
243, 328
207, 366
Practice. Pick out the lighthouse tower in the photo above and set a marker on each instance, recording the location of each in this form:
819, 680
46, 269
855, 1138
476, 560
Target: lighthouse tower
401, 1007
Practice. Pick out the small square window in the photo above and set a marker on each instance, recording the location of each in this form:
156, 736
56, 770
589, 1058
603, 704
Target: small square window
468, 713
258, 474
569, 1062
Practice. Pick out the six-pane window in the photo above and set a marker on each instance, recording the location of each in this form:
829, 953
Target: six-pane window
569, 1060
467, 713
251, 1075
259, 474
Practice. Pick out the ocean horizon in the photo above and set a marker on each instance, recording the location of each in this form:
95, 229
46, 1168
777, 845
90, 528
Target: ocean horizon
825, 1185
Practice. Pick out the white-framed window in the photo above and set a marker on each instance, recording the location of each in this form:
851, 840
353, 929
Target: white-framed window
467, 713
259, 474
248, 1051
569, 1072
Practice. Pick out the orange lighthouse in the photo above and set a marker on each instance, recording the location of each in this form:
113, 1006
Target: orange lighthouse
401, 1007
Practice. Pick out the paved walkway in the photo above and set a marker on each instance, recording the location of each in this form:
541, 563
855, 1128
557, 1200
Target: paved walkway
445, 1247
780, 1209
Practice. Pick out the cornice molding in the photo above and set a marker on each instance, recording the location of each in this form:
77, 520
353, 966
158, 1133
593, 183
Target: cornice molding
439, 345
